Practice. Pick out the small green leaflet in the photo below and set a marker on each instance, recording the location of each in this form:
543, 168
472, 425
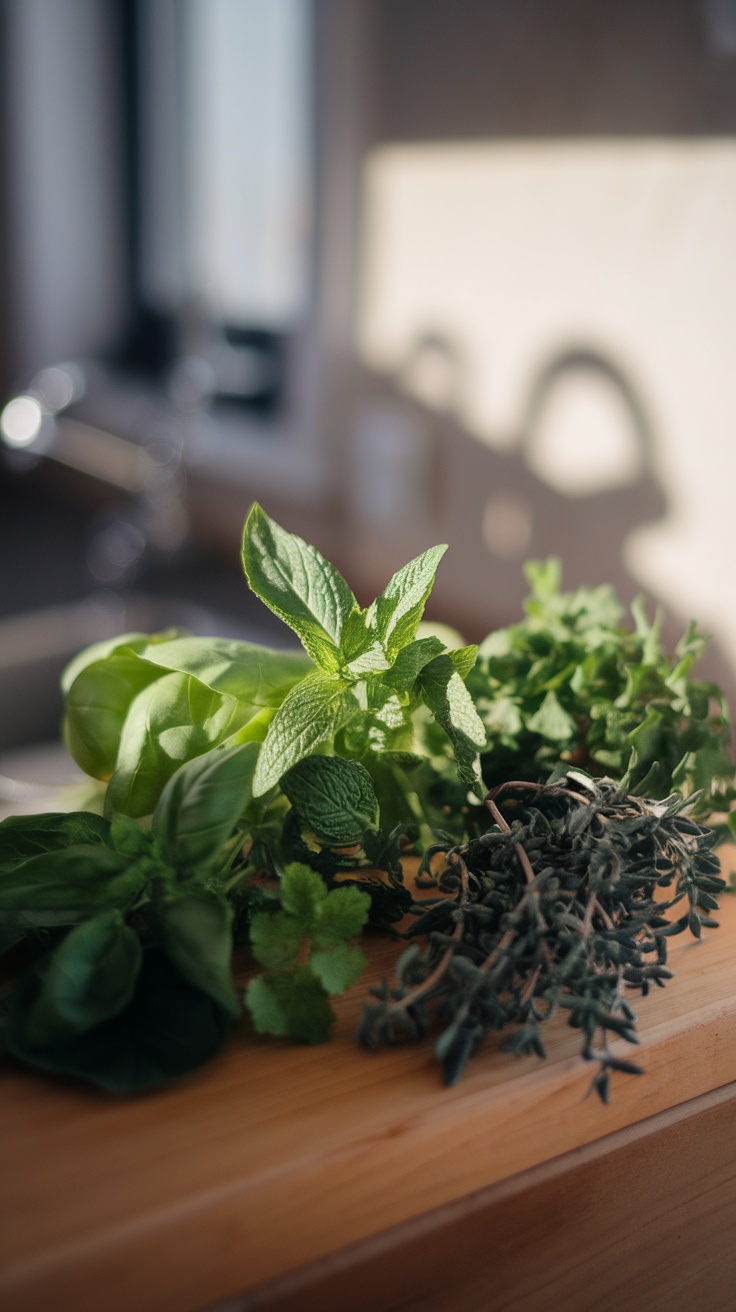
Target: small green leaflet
291, 1004
454, 709
295, 581
333, 797
303, 945
395, 615
311, 713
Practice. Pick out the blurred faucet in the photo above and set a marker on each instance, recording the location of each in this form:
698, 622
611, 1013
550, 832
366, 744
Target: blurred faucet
40, 423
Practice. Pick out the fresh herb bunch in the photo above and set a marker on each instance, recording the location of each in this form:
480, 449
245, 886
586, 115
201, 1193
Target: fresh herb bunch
554, 910
229, 771
266, 800
570, 684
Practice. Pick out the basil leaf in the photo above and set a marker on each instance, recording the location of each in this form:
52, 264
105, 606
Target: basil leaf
295, 581
167, 1029
333, 797
97, 704
290, 1003
24, 836
397, 612
12, 931
197, 938
88, 979
100, 651
254, 674
201, 805
311, 713
170, 722
452, 706
72, 879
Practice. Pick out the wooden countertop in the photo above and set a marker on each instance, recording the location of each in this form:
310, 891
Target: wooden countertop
278, 1155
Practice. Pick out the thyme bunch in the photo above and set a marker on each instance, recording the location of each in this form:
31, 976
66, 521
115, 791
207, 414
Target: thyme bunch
554, 908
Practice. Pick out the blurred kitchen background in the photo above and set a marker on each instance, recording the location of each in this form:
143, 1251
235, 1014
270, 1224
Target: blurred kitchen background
405, 272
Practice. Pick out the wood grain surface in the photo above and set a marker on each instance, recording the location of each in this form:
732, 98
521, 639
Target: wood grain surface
278, 1156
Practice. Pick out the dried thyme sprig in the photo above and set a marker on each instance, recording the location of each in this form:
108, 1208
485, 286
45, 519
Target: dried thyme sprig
554, 907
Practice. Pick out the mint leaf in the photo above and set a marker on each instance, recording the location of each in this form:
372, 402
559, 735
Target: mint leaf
397, 612
411, 660
310, 713
296, 582
290, 1003
337, 968
276, 938
343, 915
464, 658
334, 797
197, 938
454, 710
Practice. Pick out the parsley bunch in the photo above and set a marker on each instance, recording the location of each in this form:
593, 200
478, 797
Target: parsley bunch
570, 684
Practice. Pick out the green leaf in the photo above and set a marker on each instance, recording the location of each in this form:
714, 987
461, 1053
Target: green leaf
296, 582
310, 714
24, 836
339, 967
128, 837
290, 1003
275, 938
201, 805
197, 937
410, 661
464, 659
302, 892
167, 1029
100, 651
254, 674
87, 980
552, 721
452, 706
397, 612
343, 915
12, 931
97, 705
172, 721
79, 879
334, 797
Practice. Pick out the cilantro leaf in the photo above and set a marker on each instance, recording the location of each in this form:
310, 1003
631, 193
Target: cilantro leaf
343, 915
339, 967
291, 1003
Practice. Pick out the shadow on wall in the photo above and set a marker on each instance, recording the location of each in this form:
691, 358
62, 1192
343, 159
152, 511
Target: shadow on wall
419, 476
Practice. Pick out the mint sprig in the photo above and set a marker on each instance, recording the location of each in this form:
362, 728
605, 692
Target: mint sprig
372, 673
